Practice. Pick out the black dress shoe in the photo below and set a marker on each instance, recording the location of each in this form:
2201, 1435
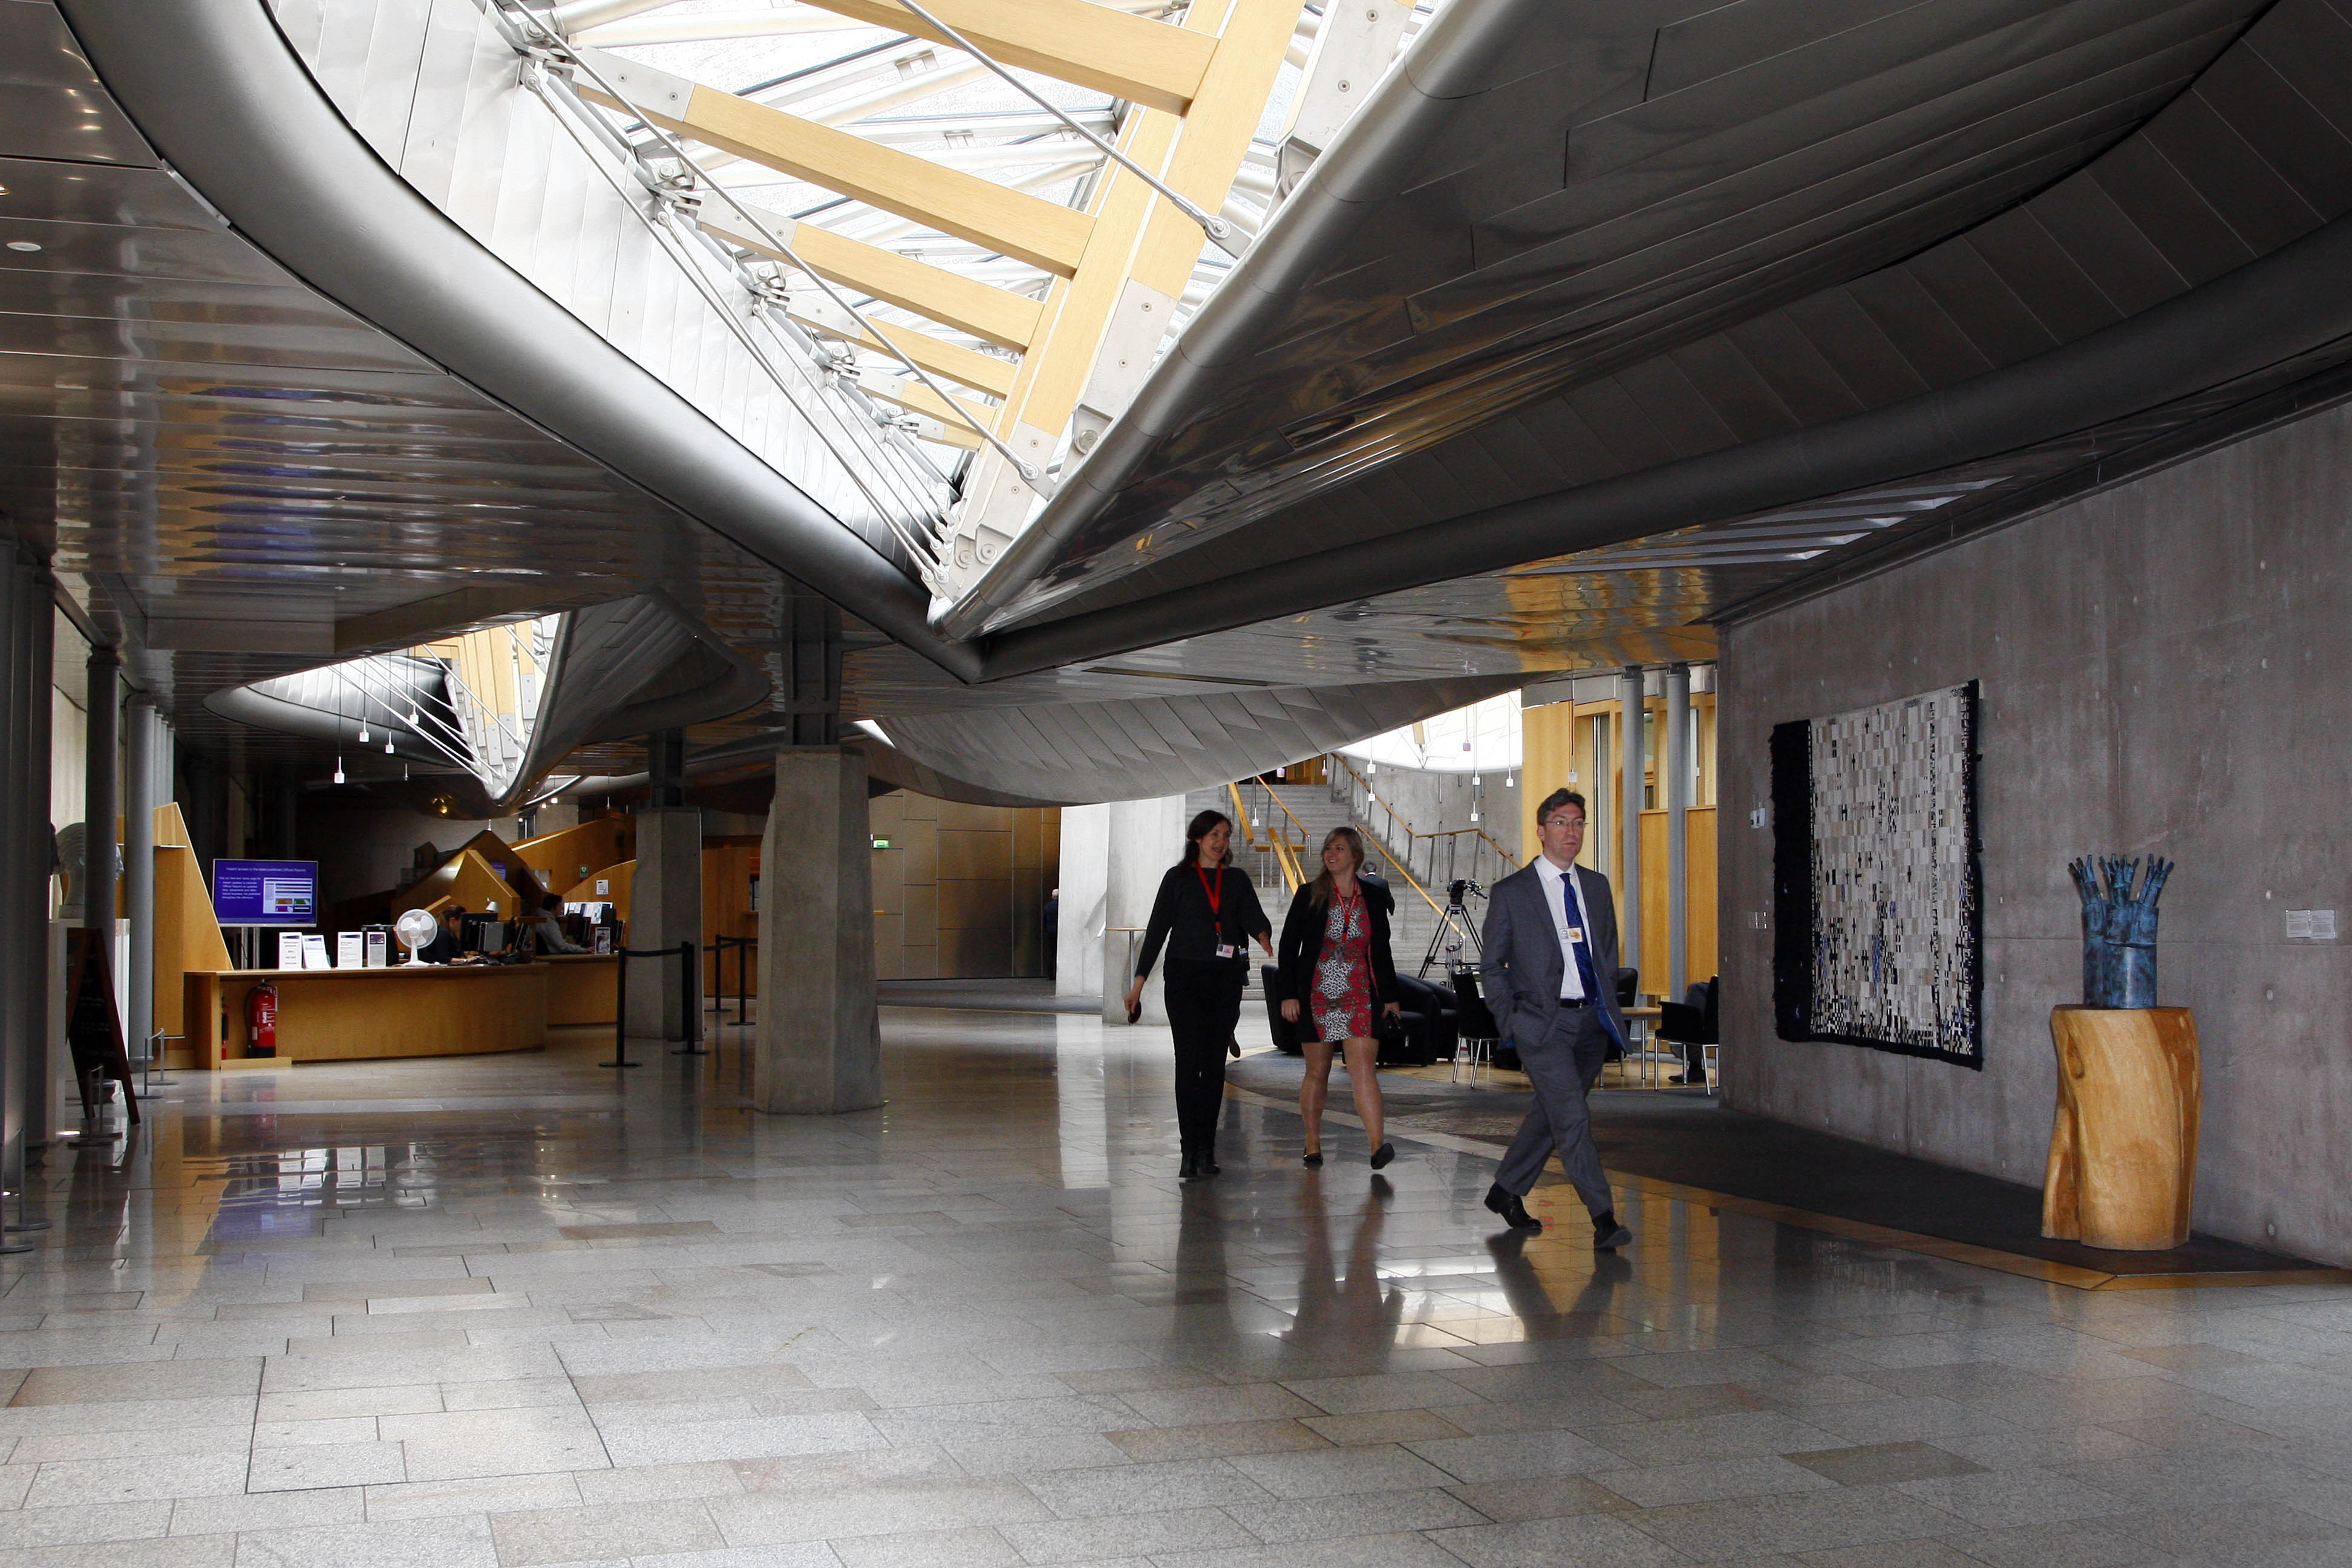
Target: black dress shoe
1513, 1210
1190, 1168
1312, 1159
1206, 1166
1608, 1236
1383, 1154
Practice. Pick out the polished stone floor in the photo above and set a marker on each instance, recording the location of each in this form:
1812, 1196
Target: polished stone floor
502, 1311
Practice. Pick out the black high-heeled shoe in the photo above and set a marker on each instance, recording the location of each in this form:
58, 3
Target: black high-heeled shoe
1383, 1154
1312, 1159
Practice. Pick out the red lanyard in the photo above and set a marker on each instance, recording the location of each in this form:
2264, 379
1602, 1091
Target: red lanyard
1215, 895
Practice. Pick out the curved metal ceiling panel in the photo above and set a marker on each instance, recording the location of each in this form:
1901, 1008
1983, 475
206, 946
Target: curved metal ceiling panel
1074, 752
1721, 254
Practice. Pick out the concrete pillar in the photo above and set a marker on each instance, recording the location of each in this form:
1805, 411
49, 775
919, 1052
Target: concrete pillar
665, 768
32, 991
1633, 757
665, 908
139, 868
1144, 838
820, 1048
1085, 863
1675, 770
99, 808
25, 632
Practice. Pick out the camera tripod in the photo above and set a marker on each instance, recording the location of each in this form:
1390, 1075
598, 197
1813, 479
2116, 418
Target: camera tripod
1454, 923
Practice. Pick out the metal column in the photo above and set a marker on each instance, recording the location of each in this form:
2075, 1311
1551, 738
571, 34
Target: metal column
1632, 759
139, 869
1674, 774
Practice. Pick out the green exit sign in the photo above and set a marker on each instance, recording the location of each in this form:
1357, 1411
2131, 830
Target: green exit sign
881, 844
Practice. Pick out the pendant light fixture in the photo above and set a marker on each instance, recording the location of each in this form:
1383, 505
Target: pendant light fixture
339, 770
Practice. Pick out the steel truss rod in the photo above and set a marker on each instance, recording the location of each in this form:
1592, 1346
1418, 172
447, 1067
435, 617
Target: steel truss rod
1215, 227
554, 44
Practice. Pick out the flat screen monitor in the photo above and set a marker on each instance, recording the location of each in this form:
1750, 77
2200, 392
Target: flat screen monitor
265, 892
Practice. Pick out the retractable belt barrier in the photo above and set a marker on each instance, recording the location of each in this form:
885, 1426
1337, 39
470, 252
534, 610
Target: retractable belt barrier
689, 1017
718, 950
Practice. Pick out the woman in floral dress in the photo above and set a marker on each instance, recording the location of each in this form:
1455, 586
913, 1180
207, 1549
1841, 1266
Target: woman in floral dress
1335, 972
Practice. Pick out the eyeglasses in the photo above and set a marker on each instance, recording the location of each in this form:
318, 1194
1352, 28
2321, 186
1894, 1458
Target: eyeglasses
1561, 822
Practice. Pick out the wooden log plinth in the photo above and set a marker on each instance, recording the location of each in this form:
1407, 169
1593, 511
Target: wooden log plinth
2123, 1149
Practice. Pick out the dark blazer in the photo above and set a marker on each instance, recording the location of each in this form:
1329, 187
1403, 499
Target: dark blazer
1520, 969
1182, 919
1301, 947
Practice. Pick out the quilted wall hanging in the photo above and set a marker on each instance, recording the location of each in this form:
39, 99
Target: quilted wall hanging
1877, 879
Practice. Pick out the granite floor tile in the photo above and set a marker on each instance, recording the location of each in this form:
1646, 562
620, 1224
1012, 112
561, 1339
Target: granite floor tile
1711, 1481
1029, 1349
1879, 1464
532, 1537
976, 1546
1352, 1514
1157, 1536
1403, 1550
774, 1518
1547, 1496
1589, 1541
1518, 1455
137, 1480
325, 1464
1329, 1472
461, 1542
1160, 1487
1216, 1439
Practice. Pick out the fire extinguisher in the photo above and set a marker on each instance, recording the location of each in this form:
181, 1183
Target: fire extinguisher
261, 1020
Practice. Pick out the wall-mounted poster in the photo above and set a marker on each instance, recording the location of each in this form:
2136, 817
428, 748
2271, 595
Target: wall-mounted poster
1877, 882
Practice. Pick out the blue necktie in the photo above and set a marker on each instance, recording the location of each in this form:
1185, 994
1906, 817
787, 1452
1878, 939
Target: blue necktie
1584, 971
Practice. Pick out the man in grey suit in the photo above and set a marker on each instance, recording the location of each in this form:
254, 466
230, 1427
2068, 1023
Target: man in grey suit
1549, 959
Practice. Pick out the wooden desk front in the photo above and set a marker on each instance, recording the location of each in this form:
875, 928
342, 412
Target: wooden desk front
582, 987
351, 1014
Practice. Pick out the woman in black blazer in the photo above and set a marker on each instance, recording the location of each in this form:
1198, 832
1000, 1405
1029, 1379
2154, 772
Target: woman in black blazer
1336, 973
1206, 913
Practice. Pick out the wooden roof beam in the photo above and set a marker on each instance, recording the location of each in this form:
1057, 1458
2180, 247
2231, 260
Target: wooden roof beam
1074, 41
1044, 234
990, 314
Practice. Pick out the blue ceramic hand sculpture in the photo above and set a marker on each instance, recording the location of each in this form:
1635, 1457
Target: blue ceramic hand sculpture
2119, 929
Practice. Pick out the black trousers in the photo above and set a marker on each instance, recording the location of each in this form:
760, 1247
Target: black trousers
1205, 1004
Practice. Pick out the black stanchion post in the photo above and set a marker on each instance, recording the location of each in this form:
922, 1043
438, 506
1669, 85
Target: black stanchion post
620, 1012
689, 1017
742, 980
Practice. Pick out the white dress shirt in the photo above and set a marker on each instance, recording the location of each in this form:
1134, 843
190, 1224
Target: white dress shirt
1564, 900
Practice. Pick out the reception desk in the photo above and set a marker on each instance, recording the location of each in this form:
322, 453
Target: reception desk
582, 988
350, 1015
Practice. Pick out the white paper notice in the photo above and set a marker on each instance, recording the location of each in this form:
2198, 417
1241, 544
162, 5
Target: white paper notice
351, 950
314, 951
290, 950
377, 942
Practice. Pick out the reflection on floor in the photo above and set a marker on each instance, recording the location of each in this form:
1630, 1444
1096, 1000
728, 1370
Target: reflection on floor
509, 1311
1688, 1137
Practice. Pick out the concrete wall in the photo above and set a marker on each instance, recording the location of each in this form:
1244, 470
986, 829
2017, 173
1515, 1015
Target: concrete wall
1436, 803
2164, 669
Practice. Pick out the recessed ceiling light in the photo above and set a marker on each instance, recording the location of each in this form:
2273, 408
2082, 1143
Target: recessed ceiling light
26, 245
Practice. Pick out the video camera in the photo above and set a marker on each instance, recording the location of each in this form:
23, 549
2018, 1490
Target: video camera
1461, 885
